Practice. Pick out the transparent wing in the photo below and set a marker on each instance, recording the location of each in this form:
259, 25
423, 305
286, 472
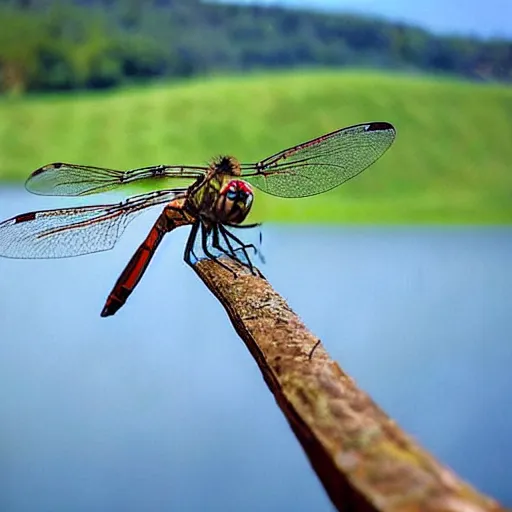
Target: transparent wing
74, 231
323, 163
60, 179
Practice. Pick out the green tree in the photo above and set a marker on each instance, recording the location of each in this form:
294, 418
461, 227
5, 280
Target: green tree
20, 39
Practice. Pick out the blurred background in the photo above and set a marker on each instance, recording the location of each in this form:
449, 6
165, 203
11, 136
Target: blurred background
404, 272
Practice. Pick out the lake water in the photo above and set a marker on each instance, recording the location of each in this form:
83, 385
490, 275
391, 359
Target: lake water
161, 407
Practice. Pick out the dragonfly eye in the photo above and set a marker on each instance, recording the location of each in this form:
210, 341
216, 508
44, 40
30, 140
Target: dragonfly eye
246, 197
237, 190
232, 194
235, 201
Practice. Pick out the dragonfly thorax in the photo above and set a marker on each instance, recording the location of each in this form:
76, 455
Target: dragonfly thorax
234, 202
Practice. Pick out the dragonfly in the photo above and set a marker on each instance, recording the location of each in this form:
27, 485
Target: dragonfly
215, 204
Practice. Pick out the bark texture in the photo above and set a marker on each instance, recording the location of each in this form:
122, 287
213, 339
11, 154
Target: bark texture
362, 457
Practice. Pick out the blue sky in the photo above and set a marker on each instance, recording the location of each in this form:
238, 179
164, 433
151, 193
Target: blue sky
489, 18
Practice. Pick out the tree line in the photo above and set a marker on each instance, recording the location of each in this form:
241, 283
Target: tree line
83, 44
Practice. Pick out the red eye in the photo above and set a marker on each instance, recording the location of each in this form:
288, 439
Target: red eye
243, 187
236, 188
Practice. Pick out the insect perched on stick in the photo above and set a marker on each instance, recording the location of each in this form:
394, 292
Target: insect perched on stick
215, 204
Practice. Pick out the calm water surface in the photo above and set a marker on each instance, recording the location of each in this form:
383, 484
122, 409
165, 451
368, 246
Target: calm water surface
161, 407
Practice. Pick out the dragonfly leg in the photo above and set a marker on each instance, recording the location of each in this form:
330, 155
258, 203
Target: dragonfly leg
257, 250
243, 226
204, 242
189, 247
231, 252
243, 247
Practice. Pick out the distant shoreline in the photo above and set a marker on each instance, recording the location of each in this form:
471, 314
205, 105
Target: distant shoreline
449, 164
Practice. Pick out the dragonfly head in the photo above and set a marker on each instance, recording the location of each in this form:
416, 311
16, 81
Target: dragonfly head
234, 202
226, 165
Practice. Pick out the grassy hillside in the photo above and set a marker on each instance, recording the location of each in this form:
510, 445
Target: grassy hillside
451, 162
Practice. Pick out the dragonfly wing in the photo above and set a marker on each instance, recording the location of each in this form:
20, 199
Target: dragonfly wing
74, 231
61, 179
323, 163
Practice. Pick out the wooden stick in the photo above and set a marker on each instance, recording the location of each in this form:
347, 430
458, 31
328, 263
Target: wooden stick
363, 459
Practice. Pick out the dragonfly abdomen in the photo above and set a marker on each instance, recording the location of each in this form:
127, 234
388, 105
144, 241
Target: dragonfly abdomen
171, 218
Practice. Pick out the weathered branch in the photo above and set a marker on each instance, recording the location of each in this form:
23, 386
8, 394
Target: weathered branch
363, 459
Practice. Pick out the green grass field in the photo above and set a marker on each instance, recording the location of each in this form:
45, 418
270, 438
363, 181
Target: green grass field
451, 161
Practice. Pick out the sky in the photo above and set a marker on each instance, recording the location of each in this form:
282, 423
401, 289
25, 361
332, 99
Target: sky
472, 17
